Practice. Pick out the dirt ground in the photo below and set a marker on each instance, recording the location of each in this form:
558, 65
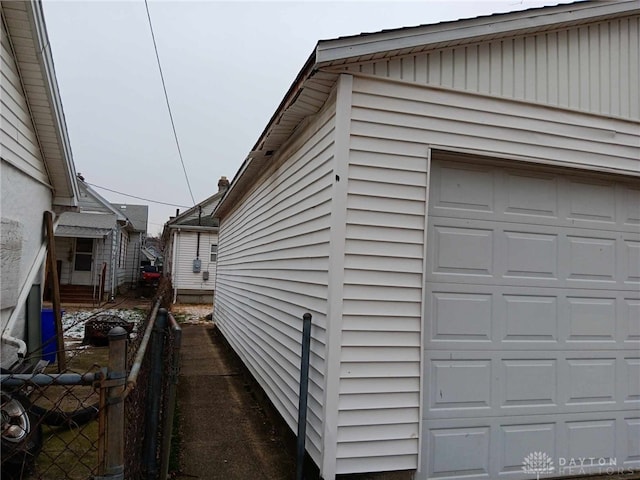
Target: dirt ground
192, 313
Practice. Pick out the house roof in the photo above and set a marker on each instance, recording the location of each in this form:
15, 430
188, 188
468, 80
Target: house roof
30, 43
314, 83
150, 253
138, 215
198, 215
96, 217
88, 225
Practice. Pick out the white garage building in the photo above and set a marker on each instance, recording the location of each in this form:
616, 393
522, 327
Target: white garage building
458, 206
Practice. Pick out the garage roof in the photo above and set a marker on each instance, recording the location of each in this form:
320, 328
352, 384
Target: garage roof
314, 83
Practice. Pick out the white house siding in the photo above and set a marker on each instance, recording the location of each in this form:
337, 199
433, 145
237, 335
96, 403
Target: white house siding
122, 274
132, 263
593, 68
64, 252
18, 138
183, 276
272, 268
379, 400
89, 203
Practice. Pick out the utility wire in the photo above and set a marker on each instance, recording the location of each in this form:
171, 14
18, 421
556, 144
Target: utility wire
133, 196
164, 87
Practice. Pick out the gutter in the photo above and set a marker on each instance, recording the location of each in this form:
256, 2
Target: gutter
34, 271
289, 99
192, 228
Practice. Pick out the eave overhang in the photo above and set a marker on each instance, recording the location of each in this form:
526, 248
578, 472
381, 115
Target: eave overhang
314, 83
28, 36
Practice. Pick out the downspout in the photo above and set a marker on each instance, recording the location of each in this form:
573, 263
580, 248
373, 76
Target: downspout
199, 224
174, 267
22, 298
114, 255
104, 258
135, 265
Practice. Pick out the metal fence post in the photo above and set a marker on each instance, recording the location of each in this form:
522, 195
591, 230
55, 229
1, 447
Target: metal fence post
113, 467
155, 396
304, 390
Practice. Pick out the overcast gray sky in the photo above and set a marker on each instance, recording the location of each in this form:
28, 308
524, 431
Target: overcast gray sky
227, 66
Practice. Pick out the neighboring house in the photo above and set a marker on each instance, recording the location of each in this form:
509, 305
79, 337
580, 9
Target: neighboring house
98, 248
37, 172
151, 256
138, 216
191, 249
458, 207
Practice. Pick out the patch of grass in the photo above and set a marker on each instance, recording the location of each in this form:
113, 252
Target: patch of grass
70, 452
180, 317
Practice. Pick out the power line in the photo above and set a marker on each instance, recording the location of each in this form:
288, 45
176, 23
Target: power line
133, 196
166, 97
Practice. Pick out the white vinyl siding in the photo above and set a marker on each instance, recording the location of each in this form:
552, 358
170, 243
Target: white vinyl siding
273, 267
378, 418
183, 276
593, 68
132, 262
120, 259
18, 137
64, 254
394, 117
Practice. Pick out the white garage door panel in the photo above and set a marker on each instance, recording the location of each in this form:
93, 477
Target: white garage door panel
495, 447
547, 198
465, 251
532, 320
473, 384
486, 317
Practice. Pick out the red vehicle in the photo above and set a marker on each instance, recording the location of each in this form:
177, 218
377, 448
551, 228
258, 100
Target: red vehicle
150, 275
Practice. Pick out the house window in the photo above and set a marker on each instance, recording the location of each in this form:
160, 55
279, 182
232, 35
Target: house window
214, 252
83, 256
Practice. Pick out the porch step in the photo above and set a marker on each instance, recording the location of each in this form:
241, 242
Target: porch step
76, 294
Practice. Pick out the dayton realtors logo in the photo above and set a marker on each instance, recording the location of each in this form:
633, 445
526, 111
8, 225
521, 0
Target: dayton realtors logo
538, 463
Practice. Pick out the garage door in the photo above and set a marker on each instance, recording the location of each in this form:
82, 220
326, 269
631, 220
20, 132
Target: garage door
532, 323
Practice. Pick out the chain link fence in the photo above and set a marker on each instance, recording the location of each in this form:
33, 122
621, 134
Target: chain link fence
93, 420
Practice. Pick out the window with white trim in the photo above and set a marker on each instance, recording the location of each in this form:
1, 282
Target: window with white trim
214, 252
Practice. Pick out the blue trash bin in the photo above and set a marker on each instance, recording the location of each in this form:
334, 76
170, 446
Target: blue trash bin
48, 334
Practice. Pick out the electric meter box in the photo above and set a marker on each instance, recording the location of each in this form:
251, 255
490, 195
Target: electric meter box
197, 265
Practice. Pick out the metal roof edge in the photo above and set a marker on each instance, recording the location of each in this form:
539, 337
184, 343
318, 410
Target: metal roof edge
191, 210
497, 24
289, 97
192, 228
